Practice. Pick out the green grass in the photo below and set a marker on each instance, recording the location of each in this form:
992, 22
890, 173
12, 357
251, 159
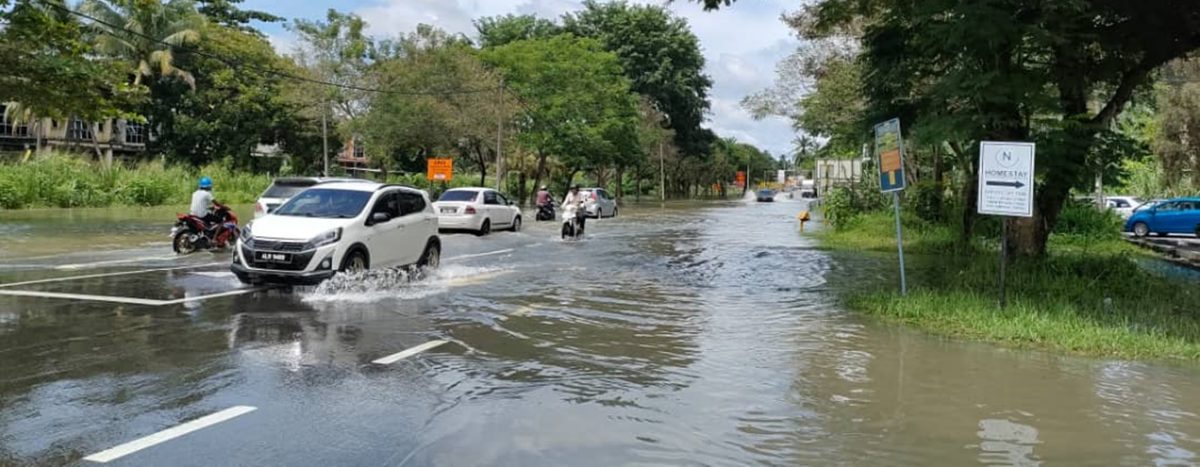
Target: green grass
1087, 297
877, 232
66, 181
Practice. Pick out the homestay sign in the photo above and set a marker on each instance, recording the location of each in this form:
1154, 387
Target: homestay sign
1006, 178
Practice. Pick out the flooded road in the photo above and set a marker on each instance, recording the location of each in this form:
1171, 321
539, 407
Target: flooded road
689, 334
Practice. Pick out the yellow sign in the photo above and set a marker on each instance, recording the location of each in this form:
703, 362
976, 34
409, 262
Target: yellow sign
441, 170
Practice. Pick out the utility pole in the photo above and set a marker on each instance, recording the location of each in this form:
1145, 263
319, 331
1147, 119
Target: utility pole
662, 174
325, 136
500, 138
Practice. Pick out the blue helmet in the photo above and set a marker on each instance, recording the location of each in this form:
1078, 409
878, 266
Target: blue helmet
205, 182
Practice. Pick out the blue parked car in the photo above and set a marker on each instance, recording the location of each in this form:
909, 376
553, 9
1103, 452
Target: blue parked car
1173, 216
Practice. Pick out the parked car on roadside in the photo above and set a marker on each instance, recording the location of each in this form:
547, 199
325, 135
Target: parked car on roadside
1174, 216
598, 203
332, 227
1148, 204
283, 188
479, 210
764, 196
1122, 205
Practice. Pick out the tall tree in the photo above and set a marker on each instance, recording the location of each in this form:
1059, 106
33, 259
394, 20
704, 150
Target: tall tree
227, 13
336, 51
495, 31
661, 57
51, 70
146, 33
578, 104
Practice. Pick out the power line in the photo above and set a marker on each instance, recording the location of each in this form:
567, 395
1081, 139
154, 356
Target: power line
235, 64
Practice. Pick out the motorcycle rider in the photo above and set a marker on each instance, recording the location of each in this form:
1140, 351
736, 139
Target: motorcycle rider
573, 198
545, 204
203, 205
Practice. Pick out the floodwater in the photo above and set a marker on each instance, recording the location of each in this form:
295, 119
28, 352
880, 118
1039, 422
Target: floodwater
687, 334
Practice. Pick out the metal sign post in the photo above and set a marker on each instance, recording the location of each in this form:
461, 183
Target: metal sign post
1006, 189
889, 153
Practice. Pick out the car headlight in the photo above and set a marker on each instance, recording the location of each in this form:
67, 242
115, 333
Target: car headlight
326, 238
246, 236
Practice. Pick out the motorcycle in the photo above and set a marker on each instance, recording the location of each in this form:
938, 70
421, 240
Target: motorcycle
545, 212
192, 233
572, 225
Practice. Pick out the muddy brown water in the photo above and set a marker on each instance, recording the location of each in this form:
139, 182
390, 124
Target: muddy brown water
688, 334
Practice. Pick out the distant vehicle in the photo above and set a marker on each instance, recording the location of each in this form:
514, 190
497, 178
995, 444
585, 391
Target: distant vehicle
598, 203
1122, 205
479, 210
1148, 204
1174, 216
765, 196
283, 188
338, 227
808, 193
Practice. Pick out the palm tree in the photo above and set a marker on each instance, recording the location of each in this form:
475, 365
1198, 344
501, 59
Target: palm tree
146, 33
805, 147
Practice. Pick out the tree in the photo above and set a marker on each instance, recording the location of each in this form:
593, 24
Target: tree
661, 57
145, 33
496, 31
578, 104
232, 108
336, 51
50, 69
445, 100
1177, 142
226, 13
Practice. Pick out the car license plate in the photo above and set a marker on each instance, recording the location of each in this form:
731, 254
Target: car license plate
449, 210
273, 257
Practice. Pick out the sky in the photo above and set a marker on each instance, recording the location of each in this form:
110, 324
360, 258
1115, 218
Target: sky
741, 43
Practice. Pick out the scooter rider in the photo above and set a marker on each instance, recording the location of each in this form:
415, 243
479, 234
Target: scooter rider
573, 198
203, 204
544, 197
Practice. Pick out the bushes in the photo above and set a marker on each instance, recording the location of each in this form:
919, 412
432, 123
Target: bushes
62, 180
842, 204
1086, 221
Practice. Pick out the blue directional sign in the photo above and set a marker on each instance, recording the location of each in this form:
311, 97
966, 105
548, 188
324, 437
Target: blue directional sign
889, 154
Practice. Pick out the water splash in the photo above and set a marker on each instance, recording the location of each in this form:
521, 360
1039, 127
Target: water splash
397, 284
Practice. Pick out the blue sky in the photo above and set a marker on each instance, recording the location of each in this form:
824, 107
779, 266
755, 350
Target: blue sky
742, 44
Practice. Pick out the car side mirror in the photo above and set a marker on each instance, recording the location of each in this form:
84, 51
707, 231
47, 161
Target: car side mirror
380, 217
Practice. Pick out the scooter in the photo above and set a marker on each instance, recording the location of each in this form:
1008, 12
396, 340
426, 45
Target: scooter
545, 212
191, 233
572, 227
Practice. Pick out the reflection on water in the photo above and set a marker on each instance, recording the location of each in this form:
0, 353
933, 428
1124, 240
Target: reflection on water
696, 334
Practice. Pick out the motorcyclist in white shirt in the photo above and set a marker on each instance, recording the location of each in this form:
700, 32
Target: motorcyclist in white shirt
573, 203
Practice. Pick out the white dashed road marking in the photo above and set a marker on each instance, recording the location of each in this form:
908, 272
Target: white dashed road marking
393, 358
168, 434
478, 255
108, 274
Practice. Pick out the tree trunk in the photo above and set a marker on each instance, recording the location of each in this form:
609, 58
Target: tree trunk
541, 167
970, 193
938, 194
521, 186
637, 183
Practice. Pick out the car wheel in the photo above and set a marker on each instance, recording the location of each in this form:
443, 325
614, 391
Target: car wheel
516, 227
355, 262
614, 212
1140, 229
485, 228
432, 257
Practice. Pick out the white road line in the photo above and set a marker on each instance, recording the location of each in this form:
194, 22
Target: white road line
393, 358
76, 296
215, 295
108, 274
115, 261
478, 255
128, 300
168, 434
476, 279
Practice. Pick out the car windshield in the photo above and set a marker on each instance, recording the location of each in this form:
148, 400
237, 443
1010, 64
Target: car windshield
288, 189
764, 192
459, 195
325, 202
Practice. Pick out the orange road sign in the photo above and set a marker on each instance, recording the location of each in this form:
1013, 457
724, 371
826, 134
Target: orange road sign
441, 170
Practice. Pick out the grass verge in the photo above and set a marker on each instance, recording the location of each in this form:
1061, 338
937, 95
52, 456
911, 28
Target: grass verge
1087, 297
66, 181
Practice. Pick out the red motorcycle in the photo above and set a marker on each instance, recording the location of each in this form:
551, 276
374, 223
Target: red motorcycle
192, 233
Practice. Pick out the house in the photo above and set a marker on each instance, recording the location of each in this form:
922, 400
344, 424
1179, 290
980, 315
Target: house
353, 155
106, 138
833, 173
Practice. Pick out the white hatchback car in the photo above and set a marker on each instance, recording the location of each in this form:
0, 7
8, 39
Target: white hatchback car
479, 210
598, 203
335, 227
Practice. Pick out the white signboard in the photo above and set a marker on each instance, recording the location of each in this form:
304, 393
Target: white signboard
781, 176
1006, 178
